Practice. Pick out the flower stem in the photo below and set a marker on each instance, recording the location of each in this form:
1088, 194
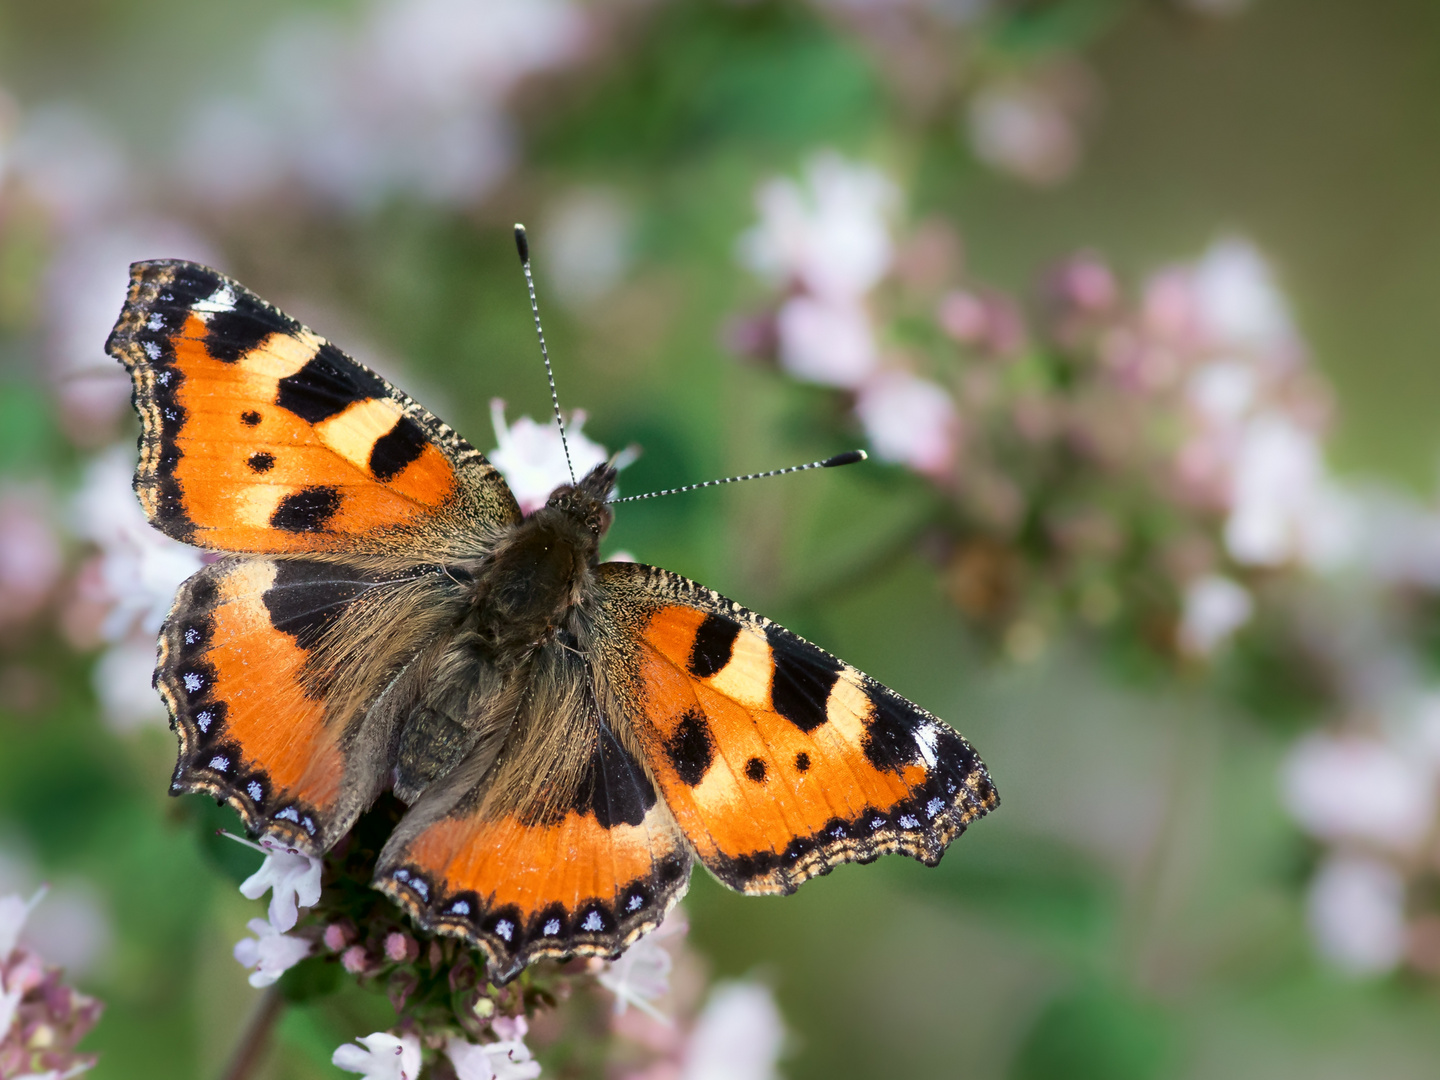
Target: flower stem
252, 1045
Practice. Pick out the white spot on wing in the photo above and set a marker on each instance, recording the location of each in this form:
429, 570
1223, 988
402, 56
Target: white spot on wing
460, 907
255, 790
505, 928
927, 738
220, 763
202, 721
909, 822
634, 902
152, 350
551, 928
933, 807
222, 299
157, 322
592, 922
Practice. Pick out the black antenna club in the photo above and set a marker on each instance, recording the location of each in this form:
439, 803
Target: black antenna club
849, 457
522, 245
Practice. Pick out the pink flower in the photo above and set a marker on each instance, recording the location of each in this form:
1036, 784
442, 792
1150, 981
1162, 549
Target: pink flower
1024, 131
911, 421
30, 561
41, 1019
384, 1057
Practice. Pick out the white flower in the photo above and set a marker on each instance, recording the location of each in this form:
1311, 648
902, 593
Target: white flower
738, 1035
641, 974
293, 875
910, 420
508, 1059
585, 244
831, 236
830, 342
121, 679
1356, 911
269, 952
1349, 787
1236, 298
384, 1057
13, 914
1283, 504
532, 459
1222, 391
1214, 608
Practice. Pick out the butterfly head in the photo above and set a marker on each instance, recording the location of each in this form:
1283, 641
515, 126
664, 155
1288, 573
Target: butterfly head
587, 502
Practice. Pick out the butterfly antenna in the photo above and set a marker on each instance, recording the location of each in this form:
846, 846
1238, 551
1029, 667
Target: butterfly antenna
850, 457
522, 245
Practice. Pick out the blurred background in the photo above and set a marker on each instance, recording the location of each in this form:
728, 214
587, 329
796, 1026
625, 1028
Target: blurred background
1134, 304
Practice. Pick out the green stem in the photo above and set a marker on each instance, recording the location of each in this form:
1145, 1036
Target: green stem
253, 1044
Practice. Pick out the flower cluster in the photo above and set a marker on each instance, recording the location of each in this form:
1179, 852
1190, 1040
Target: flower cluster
411, 101
41, 1018
1149, 464
1176, 434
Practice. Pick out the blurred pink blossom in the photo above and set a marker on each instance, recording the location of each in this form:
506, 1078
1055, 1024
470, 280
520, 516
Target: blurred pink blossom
910, 421
738, 1035
641, 975
1356, 910
410, 100
1024, 130
827, 342
1214, 608
30, 555
829, 236
84, 287
1359, 789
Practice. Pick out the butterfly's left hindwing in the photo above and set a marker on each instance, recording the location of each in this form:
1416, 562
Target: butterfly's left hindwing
561, 848
257, 721
777, 760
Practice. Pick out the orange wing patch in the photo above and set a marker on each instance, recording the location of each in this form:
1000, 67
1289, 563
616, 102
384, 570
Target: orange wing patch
586, 881
779, 761
231, 671
259, 435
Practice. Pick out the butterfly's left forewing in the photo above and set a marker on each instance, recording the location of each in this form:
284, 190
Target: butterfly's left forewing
258, 435
778, 760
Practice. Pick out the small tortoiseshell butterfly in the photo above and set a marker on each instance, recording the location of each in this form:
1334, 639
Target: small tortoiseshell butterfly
569, 735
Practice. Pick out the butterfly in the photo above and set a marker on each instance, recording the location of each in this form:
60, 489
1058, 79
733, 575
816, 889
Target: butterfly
569, 736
